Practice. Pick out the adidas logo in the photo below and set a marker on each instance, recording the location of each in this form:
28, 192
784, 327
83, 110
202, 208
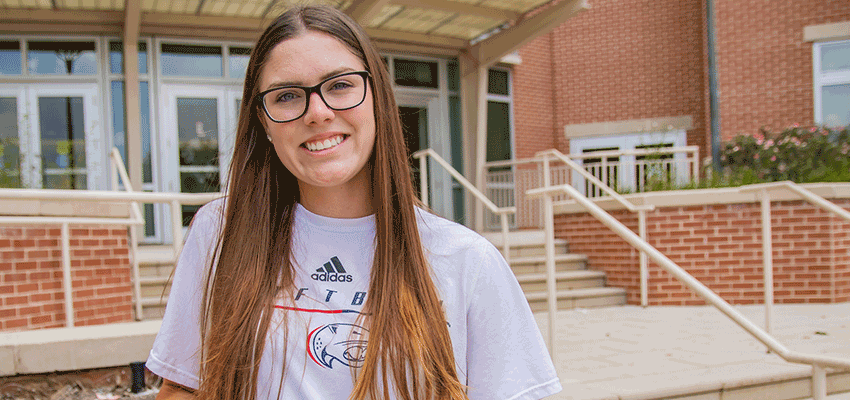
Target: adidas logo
332, 271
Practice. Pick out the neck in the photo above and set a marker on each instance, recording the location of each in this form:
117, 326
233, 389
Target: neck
351, 200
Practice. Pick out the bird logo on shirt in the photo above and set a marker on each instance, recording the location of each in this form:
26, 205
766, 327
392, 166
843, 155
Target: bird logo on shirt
344, 343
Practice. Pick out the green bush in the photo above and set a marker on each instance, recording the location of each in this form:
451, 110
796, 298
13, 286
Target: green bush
797, 154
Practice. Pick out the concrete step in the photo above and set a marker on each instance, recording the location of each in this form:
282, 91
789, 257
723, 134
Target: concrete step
537, 264
578, 298
565, 280
790, 387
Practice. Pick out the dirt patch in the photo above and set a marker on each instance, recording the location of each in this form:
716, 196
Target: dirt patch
96, 384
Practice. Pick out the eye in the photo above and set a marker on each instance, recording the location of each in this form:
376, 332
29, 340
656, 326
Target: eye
340, 84
285, 95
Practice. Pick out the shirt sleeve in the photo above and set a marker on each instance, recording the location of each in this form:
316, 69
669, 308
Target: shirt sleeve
176, 351
506, 355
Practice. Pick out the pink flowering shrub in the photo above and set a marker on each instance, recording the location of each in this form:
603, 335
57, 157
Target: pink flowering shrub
799, 154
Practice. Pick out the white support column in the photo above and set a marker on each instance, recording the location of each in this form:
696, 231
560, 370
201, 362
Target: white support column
131, 92
473, 97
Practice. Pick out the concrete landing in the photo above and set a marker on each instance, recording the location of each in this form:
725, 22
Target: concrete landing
694, 353
68, 349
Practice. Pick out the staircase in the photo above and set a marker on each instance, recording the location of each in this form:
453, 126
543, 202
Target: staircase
576, 286
155, 269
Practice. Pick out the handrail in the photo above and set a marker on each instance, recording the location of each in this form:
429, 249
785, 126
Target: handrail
599, 154
767, 230
502, 212
118, 169
818, 362
640, 210
602, 186
135, 218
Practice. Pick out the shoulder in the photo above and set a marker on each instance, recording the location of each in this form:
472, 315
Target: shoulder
443, 237
210, 216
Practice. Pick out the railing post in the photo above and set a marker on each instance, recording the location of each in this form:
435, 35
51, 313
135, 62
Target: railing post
819, 389
176, 229
549, 231
552, 300
423, 179
644, 270
66, 275
137, 285
767, 256
604, 172
506, 242
113, 174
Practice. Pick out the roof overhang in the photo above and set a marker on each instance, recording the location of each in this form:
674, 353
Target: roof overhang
481, 31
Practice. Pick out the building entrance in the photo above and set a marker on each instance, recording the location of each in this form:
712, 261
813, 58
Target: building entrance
51, 137
196, 138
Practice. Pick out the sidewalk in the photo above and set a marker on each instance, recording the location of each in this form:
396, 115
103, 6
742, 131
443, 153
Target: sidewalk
629, 352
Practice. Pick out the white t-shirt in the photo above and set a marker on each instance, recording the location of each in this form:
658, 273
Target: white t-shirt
498, 348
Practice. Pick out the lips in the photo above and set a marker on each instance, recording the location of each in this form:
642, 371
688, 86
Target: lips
324, 144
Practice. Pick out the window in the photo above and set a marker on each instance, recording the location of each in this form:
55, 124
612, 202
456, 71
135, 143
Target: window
191, 60
420, 74
61, 58
10, 58
832, 83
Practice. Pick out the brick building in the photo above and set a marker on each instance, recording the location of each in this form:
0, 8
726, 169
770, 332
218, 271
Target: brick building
620, 74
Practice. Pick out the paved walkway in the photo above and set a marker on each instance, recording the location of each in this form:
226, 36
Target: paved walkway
631, 352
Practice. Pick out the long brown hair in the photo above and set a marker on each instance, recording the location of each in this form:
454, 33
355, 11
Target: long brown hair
409, 343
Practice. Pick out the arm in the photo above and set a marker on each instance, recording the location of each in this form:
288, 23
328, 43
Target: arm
173, 391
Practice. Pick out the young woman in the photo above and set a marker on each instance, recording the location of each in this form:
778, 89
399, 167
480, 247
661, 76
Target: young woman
318, 277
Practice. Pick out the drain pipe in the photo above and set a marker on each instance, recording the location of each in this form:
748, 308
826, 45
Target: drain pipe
713, 89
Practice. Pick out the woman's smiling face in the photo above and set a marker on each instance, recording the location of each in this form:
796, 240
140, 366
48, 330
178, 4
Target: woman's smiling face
323, 148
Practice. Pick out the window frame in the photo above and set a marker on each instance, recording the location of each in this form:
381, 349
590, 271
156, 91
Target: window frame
822, 79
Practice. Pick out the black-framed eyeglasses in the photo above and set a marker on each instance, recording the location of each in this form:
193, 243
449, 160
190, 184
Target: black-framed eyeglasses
340, 92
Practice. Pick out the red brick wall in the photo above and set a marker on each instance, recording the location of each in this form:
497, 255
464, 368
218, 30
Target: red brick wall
721, 246
764, 66
31, 294
624, 60
534, 110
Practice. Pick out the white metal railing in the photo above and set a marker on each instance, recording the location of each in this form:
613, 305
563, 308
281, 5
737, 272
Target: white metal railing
502, 212
636, 170
134, 218
763, 190
818, 362
128, 197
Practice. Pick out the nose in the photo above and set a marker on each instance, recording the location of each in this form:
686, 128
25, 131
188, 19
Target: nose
317, 110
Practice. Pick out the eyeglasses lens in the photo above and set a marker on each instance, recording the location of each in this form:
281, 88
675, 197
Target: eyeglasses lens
338, 93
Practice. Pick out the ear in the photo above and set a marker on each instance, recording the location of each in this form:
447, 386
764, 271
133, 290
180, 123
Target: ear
262, 117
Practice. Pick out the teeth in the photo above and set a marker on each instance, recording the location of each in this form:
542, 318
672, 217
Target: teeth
326, 144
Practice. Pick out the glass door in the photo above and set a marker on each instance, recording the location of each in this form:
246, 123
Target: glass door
51, 137
12, 136
420, 118
192, 142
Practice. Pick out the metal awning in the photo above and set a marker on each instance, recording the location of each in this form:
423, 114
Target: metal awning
433, 27
478, 32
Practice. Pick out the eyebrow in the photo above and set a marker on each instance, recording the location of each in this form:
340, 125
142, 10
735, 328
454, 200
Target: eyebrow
338, 71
